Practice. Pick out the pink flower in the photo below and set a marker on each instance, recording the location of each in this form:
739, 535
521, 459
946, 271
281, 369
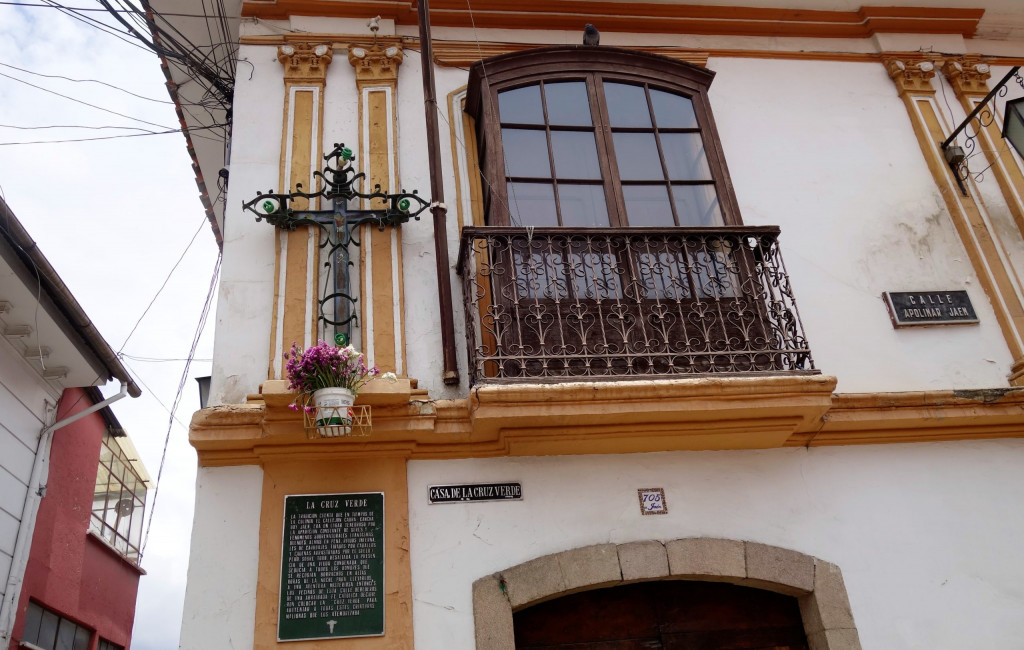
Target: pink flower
325, 366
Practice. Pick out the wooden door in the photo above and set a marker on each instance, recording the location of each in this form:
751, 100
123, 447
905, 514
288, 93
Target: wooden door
664, 615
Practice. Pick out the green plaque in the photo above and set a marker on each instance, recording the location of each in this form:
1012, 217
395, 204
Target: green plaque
332, 567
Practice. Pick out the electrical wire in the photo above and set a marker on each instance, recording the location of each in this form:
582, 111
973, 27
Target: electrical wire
76, 126
92, 22
105, 137
157, 294
138, 377
96, 81
156, 359
177, 398
48, 6
79, 101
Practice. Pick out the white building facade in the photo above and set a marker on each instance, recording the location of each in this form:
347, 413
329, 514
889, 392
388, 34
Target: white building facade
841, 430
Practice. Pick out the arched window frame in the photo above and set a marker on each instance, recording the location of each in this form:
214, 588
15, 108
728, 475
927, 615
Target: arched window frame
595, 64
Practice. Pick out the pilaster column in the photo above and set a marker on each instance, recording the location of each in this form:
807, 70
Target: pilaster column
968, 76
996, 275
383, 304
295, 284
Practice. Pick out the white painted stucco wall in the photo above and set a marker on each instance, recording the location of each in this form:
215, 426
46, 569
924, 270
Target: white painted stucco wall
927, 535
833, 161
23, 412
220, 599
823, 149
245, 300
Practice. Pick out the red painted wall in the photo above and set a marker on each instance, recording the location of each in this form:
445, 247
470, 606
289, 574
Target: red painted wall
69, 571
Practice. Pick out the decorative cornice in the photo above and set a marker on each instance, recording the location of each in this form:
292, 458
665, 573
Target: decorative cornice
968, 75
465, 53
612, 417
305, 63
911, 75
642, 17
377, 64
925, 416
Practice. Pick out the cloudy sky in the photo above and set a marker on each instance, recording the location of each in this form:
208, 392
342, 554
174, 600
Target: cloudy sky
114, 217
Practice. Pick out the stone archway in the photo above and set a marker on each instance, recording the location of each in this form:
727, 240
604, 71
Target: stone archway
818, 585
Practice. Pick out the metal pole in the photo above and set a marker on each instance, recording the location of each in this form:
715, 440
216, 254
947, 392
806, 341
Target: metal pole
440, 212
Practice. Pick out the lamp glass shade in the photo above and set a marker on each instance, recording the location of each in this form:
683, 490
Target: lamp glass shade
1013, 124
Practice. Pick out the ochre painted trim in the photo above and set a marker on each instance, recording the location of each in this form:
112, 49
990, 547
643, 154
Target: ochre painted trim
931, 416
913, 79
381, 265
464, 53
644, 17
469, 197
329, 476
613, 417
297, 255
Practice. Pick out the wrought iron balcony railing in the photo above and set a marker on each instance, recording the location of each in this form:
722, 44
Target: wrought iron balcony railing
613, 303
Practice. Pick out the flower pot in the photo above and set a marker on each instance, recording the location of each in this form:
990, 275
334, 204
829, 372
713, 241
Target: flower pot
333, 411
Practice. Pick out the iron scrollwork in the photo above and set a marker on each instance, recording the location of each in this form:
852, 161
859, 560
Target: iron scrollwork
981, 117
338, 228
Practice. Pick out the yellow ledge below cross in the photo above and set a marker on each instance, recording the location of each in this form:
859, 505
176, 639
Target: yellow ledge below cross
609, 417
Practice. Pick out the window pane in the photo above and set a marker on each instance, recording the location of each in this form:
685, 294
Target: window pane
684, 157
582, 205
697, 205
48, 630
637, 155
673, 111
82, 638
521, 105
627, 105
568, 104
532, 204
66, 635
526, 153
105, 453
575, 155
33, 616
647, 205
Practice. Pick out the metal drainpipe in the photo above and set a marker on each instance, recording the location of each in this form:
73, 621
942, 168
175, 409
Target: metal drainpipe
23, 543
438, 208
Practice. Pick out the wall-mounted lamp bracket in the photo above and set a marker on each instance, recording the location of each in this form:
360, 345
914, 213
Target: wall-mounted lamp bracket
1013, 129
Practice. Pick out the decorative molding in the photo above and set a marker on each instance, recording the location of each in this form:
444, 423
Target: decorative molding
643, 17
465, 53
968, 75
914, 76
376, 65
305, 63
609, 417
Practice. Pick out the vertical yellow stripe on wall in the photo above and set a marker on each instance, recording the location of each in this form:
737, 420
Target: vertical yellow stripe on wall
384, 293
295, 299
296, 295
913, 80
382, 306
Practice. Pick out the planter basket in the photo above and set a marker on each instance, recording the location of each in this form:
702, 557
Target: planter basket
329, 413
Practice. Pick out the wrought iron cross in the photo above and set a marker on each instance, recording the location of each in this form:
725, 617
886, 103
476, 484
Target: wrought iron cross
337, 228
